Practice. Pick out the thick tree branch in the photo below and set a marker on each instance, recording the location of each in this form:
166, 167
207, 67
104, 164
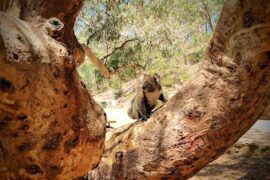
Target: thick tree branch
209, 114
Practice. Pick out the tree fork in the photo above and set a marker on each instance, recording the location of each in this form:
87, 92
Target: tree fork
209, 114
192, 129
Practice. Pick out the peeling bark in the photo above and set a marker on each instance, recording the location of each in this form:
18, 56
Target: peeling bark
209, 114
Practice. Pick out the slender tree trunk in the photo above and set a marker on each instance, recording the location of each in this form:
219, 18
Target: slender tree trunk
210, 114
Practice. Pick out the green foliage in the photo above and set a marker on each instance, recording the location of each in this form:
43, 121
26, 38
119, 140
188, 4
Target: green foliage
184, 75
115, 83
172, 37
195, 57
168, 81
157, 64
121, 57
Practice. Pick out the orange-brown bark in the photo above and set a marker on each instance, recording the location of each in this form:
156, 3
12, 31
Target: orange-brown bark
50, 126
209, 114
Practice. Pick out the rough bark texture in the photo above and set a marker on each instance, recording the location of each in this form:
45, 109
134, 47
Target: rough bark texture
266, 114
50, 127
210, 114
34, 11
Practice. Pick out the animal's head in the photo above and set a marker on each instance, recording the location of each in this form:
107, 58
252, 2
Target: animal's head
151, 83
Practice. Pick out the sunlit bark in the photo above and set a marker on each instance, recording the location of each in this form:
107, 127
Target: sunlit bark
209, 114
50, 127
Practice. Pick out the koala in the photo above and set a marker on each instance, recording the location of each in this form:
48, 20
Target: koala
146, 98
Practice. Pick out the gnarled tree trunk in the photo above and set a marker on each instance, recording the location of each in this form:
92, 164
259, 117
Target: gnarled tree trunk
50, 127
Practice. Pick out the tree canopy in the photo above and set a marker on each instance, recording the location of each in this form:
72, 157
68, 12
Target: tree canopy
134, 36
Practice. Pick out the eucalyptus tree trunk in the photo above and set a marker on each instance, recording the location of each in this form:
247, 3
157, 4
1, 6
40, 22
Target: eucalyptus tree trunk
50, 127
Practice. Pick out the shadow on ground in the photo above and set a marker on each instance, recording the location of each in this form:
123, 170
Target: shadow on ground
242, 161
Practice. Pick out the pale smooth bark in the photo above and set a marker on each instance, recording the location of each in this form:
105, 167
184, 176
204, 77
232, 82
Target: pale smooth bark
104, 71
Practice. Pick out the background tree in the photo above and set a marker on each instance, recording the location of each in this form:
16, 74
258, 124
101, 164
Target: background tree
160, 35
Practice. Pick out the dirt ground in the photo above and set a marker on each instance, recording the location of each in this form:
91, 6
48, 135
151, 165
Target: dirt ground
248, 159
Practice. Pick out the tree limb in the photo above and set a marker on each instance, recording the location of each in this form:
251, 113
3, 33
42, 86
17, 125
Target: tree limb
105, 72
209, 114
119, 47
98, 63
50, 118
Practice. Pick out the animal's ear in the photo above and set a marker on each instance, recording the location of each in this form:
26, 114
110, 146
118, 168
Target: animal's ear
157, 77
